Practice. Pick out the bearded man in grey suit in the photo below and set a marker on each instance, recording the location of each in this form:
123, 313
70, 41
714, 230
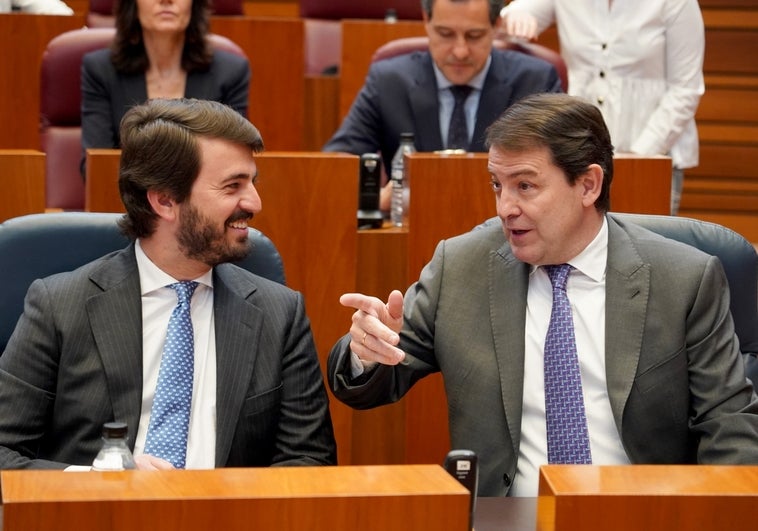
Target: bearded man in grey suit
88, 347
660, 374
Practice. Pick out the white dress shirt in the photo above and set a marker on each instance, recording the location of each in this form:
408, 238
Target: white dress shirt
640, 62
158, 302
586, 292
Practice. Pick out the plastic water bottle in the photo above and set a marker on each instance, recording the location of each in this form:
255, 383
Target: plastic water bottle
399, 177
115, 454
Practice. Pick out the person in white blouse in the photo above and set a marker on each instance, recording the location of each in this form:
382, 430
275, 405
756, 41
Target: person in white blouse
641, 63
37, 7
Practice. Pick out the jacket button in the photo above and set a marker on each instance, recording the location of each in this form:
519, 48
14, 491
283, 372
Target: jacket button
507, 480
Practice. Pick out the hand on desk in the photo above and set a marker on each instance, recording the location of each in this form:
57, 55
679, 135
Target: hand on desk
149, 462
374, 332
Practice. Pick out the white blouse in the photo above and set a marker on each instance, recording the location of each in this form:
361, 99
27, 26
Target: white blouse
640, 61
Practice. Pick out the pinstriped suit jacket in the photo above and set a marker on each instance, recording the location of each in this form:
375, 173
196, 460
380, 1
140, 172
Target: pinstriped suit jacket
675, 377
75, 361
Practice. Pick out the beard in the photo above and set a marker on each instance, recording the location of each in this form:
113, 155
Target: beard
200, 239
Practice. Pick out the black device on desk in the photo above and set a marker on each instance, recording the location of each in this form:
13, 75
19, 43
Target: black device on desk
463, 465
369, 188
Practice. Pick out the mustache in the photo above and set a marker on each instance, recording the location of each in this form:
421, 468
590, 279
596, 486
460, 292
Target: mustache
240, 215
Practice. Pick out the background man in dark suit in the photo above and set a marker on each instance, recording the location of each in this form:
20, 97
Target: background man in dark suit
412, 93
88, 347
658, 366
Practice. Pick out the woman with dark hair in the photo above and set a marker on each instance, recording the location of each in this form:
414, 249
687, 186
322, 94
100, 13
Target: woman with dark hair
161, 50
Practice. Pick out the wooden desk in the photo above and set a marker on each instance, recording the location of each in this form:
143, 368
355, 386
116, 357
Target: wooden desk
360, 39
649, 497
22, 181
23, 39
277, 85
279, 498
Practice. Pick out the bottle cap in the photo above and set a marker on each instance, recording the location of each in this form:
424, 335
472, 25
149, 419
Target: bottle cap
406, 136
114, 430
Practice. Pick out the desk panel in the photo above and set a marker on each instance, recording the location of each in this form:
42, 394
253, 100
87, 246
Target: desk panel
22, 181
23, 39
649, 497
277, 498
360, 39
275, 49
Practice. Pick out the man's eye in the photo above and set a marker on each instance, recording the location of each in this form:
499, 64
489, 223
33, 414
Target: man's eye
496, 186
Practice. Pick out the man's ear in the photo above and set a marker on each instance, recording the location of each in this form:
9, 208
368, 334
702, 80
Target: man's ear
162, 204
591, 183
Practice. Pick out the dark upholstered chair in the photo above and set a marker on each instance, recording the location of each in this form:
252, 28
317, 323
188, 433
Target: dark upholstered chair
740, 263
413, 44
60, 110
40, 245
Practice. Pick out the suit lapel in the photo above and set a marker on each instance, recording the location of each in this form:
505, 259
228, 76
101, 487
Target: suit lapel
496, 91
115, 317
425, 106
627, 288
509, 280
238, 325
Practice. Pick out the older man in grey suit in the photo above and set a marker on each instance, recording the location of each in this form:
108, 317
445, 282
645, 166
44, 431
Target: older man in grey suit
653, 354
89, 347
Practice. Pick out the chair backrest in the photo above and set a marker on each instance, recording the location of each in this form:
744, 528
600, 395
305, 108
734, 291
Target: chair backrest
60, 109
740, 262
421, 43
39, 245
100, 12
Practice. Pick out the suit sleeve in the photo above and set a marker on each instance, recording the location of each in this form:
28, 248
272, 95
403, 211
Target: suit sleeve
28, 372
724, 409
305, 435
361, 130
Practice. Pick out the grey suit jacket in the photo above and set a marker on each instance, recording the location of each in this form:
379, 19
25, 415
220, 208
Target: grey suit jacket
400, 95
674, 373
74, 362
107, 94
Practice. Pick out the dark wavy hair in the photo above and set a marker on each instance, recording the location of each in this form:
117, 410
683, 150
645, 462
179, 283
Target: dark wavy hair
572, 129
495, 7
159, 151
128, 49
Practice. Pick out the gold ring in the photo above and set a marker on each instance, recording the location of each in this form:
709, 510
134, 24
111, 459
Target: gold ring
363, 341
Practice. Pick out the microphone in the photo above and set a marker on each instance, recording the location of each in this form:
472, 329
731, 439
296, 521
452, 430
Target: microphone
369, 188
463, 465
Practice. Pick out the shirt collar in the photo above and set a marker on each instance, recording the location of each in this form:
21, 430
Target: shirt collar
151, 277
593, 259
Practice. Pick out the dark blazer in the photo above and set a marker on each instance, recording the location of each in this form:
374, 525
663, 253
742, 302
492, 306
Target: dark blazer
400, 95
74, 362
675, 376
107, 94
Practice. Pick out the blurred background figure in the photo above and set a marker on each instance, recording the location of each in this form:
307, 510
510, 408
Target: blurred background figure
641, 63
161, 50
38, 7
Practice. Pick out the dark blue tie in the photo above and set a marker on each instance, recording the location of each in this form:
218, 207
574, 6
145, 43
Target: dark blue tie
457, 133
169, 417
568, 441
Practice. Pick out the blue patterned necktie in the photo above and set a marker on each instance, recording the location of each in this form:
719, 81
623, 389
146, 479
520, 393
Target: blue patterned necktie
169, 418
457, 134
568, 441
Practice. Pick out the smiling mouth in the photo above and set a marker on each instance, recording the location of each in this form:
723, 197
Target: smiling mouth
240, 224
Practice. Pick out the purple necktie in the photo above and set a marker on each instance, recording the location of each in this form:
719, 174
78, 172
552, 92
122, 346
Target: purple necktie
568, 441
